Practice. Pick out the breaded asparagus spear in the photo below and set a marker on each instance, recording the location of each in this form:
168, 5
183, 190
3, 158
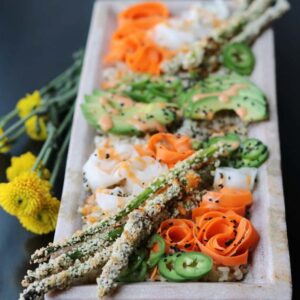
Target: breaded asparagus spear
82, 252
94, 262
252, 30
204, 54
63, 279
139, 226
194, 161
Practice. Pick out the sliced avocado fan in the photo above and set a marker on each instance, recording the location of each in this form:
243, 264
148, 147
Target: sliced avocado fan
111, 113
149, 89
250, 153
224, 92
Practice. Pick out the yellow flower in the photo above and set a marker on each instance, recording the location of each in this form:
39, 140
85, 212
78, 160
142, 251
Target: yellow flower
24, 164
28, 103
44, 220
4, 146
36, 128
25, 195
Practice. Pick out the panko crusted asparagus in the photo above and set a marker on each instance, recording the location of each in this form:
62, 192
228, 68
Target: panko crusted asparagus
78, 237
252, 30
139, 225
95, 262
204, 55
65, 260
194, 161
158, 191
63, 279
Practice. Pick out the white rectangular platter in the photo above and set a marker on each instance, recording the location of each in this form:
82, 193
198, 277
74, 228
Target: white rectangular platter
269, 276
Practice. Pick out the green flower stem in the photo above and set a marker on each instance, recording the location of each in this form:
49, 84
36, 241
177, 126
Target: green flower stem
78, 54
66, 86
51, 130
47, 156
65, 76
59, 158
40, 110
65, 122
19, 123
45, 160
8, 117
62, 99
57, 96
14, 137
46, 151
53, 116
70, 76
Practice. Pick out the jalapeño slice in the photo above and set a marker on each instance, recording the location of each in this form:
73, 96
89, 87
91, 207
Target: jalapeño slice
193, 265
158, 246
166, 269
239, 57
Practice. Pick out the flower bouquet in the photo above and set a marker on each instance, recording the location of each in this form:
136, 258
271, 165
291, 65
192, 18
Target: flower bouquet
45, 116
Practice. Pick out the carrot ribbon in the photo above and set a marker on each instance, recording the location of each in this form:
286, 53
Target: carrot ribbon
170, 148
178, 234
226, 237
131, 43
223, 200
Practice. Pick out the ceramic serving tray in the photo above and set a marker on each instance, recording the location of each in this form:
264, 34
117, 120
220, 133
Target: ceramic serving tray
269, 276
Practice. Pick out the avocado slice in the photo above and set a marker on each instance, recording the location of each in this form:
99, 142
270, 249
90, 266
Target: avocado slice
148, 89
123, 116
225, 92
230, 138
250, 153
253, 153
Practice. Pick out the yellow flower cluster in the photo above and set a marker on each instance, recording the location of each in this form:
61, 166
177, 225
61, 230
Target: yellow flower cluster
35, 126
44, 220
24, 195
4, 146
23, 164
28, 197
28, 103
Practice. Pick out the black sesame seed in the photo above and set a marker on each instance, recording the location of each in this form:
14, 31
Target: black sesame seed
229, 242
